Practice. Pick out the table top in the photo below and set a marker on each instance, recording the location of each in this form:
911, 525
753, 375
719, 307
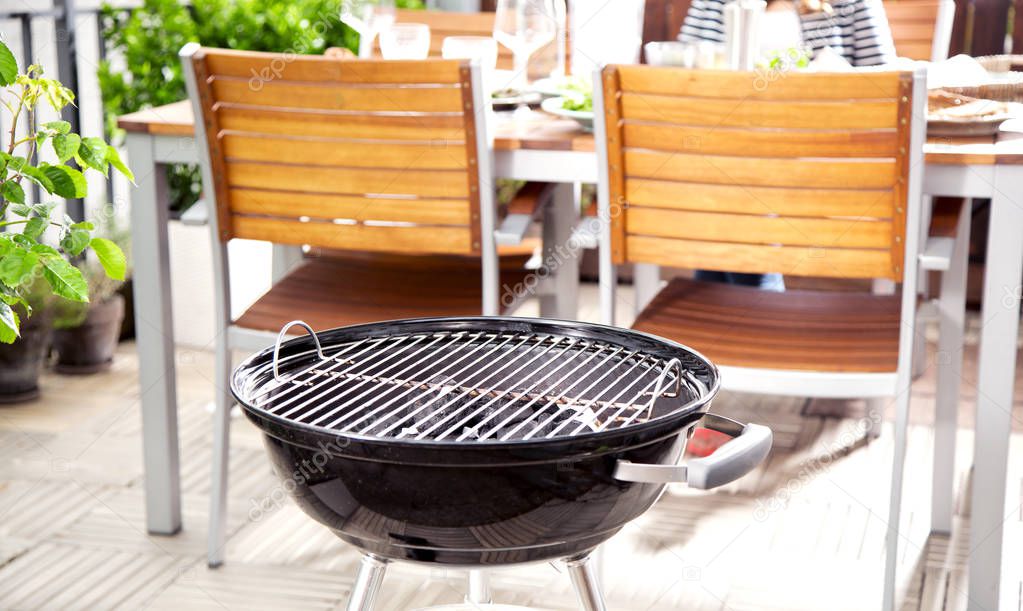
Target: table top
545, 132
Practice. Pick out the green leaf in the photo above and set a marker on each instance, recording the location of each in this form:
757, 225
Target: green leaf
45, 250
8, 323
8, 66
75, 241
12, 192
39, 177
61, 127
65, 280
93, 153
67, 182
66, 146
110, 257
21, 210
83, 225
17, 266
115, 160
35, 227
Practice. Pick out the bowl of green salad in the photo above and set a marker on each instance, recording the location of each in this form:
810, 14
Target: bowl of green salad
576, 105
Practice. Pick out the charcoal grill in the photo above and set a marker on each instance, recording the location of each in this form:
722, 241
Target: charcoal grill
484, 441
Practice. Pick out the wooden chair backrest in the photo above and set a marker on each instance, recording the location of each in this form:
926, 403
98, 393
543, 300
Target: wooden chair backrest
806, 175
358, 155
916, 23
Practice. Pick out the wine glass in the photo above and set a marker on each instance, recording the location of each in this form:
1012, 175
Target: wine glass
367, 17
525, 26
405, 41
481, 48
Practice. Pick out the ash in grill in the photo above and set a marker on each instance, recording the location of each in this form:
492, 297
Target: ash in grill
465, 386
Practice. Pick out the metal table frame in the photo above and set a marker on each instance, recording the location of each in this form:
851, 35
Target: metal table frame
1000, 182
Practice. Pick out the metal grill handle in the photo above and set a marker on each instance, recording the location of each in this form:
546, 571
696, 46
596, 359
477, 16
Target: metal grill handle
284, 333
659, 386
748, 447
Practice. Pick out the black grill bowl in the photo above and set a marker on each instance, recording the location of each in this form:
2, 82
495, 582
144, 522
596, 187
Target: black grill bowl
473, 502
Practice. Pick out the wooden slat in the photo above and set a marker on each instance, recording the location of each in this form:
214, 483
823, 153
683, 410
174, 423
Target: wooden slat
260, 68
911, 11
750, 229
778, 172
212, 144
919, 31
414, 239
471, 158
898, 243
759, 200
339, 152
914, 50
354, 181
336, 125
757, 142
288, 203
740, 85
798, 260
864, 114
290, 94
615, 160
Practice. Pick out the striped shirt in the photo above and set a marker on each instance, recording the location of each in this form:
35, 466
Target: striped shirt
855, 29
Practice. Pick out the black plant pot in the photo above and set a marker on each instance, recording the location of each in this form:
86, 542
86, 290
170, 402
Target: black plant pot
128, 324
22, 362
89, 347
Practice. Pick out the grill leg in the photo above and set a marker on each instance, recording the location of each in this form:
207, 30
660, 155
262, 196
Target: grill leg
584, 580
367, 584
479, 590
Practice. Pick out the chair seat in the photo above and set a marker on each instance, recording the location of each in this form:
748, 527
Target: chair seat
797, 330
333, 291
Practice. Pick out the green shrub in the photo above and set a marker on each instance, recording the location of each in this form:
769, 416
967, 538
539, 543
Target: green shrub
148, 40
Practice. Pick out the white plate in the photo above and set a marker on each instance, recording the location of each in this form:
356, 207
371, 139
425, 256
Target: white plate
554, 106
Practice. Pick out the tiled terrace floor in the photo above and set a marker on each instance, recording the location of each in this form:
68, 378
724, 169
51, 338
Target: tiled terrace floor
804, 532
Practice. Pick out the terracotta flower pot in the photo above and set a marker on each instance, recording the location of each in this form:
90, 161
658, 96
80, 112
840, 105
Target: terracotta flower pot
89, 347
22, 362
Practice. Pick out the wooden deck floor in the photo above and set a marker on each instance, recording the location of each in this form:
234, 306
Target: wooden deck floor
804, 532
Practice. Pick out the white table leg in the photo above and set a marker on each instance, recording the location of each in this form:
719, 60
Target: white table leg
995, 387
646, 280
952, 315
285, 258
154, 338
561, 300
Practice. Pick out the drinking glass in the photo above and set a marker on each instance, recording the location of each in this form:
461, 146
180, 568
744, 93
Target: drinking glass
481, 48
405, 41
525, 26
368, 18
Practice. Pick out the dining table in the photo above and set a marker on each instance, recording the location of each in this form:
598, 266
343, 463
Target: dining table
543, 148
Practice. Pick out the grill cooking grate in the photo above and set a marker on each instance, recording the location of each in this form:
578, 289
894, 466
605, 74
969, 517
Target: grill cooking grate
474, 386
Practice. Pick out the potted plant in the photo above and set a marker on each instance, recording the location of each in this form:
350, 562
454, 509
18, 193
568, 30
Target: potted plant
21, 362
86, 334
28, 264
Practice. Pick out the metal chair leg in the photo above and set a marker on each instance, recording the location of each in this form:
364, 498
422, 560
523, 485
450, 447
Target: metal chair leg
584, 580
221, 442
367, 584
875, 417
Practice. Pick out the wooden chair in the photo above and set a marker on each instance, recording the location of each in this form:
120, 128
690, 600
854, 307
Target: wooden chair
813, 175
922, 29
384, 160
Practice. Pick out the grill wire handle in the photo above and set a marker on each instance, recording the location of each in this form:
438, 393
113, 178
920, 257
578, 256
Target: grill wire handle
659, 387
284, 333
